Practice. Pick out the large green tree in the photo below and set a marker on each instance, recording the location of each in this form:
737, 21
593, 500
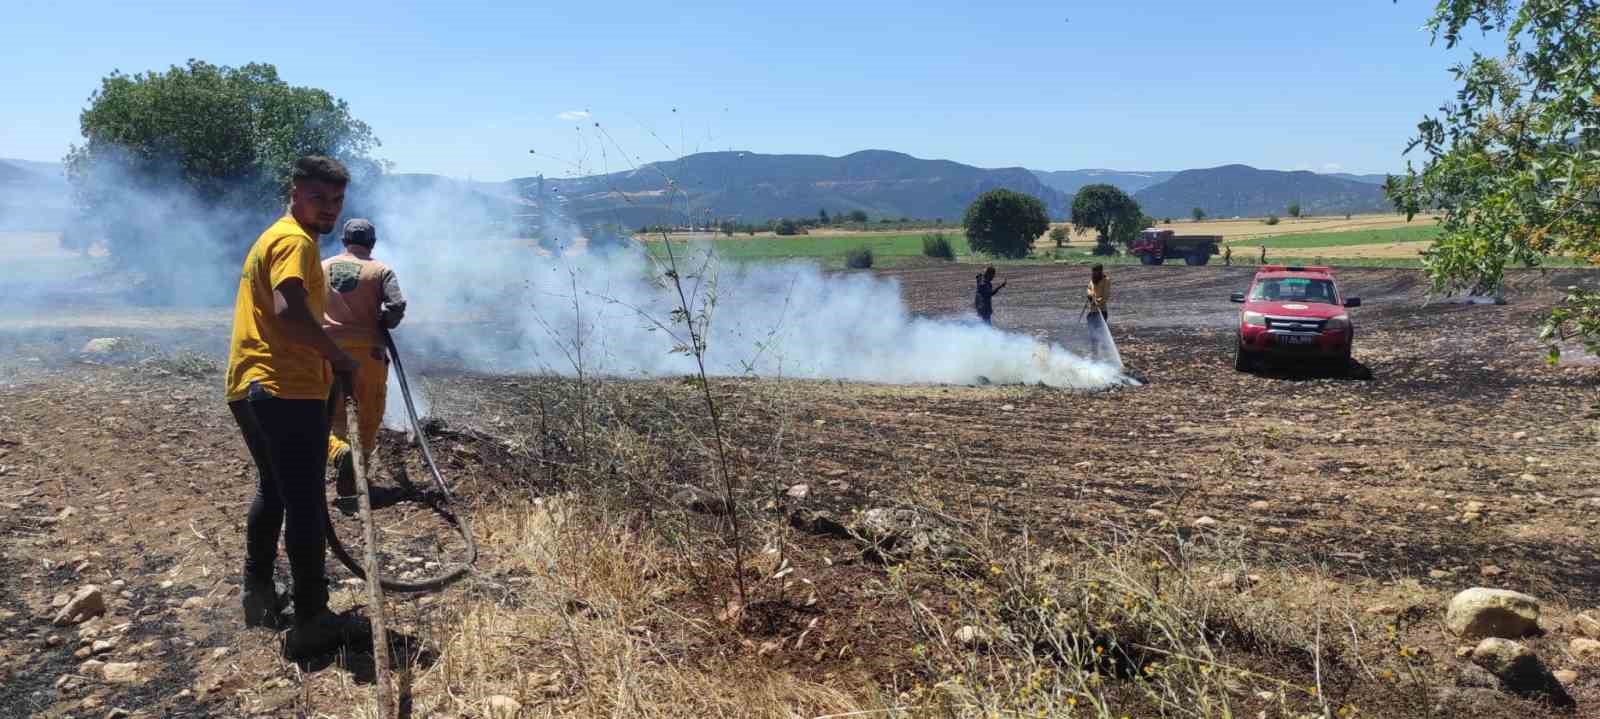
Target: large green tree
1005, 223
1110, 212
1513, 165
184, 163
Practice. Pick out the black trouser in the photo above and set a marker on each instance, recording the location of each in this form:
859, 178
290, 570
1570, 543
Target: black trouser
986, 317
289, 440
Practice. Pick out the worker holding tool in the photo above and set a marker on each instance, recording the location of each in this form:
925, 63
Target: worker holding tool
1099, 292
1227, 255
363, 302
281, 366
983, 298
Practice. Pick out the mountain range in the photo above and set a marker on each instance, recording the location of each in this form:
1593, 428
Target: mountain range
752, 187
1244, 191
34, 196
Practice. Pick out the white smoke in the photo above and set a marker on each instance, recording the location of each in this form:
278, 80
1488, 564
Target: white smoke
502, 305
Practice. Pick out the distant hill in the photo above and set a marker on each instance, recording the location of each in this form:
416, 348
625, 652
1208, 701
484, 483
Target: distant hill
1241, 190
1377, 179
34, 196
755, 188
1069, 181
47, 169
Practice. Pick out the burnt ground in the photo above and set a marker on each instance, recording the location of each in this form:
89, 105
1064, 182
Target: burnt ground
128, 468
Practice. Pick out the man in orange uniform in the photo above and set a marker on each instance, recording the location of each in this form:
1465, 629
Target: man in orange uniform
364, 301
281, 365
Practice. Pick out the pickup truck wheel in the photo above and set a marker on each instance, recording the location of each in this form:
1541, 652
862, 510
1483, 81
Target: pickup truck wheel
1242, 361
1194, 259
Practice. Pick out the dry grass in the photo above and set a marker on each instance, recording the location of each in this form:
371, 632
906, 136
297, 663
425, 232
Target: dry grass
585, 625
599, 602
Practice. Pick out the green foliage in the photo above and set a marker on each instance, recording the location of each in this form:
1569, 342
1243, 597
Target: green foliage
1059, 236
1005, 223
1513, 164
859, 258
822, 215
1271, 220
1110, 212
1199, 215
937, 245
1294, 209
785, 227
223, 137
858, 216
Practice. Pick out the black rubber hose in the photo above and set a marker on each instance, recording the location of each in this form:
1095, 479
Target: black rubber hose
460, 523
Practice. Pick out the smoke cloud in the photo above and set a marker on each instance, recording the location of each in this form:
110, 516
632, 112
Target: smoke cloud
482, 300
502, 305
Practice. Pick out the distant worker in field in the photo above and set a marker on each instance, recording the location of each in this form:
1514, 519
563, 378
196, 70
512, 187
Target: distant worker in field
1099, 292
281, 365
1227, 255
983, 299
1263, 254
364, 301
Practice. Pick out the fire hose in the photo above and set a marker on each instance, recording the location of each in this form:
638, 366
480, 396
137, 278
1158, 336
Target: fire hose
460, 523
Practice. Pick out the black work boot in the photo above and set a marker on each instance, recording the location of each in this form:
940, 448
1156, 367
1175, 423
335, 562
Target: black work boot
322, 633
263, 603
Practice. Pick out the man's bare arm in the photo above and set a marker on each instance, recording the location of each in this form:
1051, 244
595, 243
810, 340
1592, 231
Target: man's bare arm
290, 305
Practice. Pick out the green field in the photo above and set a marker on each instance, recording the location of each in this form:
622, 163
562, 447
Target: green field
1416, 233
830, 249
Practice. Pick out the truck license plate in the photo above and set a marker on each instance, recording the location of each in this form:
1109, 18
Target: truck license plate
1296, 339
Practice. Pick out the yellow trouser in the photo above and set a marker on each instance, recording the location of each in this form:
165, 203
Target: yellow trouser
372, 388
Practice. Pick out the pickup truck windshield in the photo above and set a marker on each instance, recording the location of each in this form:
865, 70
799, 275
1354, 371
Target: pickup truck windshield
1295, 289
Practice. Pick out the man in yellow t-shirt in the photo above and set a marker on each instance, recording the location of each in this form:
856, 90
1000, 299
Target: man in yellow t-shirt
281, 367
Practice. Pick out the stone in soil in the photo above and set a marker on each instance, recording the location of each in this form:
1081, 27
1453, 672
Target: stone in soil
1481, 612
86, 604
1519, 670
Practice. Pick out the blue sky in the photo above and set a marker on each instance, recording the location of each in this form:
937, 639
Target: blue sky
466, 89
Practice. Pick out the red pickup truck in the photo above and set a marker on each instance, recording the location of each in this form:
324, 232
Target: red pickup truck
1294, 312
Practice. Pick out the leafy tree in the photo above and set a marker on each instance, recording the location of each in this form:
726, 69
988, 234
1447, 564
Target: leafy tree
822, 215
1059, 235
1272, 219
858, 216
1110, 212
1005, 223
1198, 214
1294, 210
785, 227
1513, 164
200, 144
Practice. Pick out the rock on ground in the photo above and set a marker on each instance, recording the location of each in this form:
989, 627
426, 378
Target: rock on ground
1585, 650
503, 707
103, 345
1480, 612
1519, 670
86, 604
121, 672
905, 530
1587, 625
695, 499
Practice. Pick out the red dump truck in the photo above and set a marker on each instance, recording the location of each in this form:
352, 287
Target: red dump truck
1155, 245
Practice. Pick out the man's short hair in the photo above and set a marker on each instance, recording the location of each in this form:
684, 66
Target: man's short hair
322, 169
1098, 268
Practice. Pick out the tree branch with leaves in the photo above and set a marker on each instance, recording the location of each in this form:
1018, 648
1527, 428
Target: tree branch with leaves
1513, 163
